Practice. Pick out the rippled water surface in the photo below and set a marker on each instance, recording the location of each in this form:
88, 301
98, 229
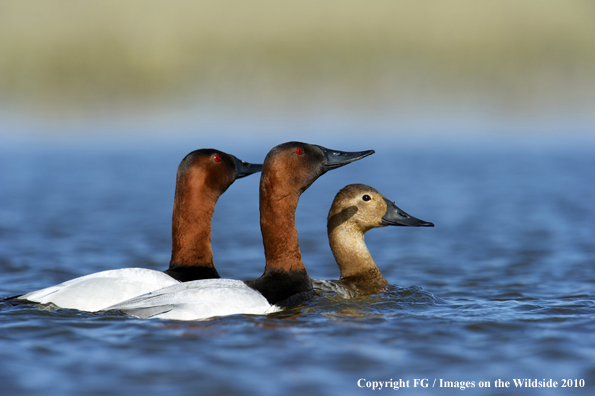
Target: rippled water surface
501, 288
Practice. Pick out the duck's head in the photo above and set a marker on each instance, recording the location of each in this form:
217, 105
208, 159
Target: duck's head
364, 208
214, 168
294, 166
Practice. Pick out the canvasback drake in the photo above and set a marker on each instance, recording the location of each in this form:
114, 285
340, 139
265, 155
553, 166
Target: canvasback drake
203, 175
288, 170
356, 209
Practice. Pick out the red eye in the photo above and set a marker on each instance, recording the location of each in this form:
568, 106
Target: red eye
299, 151
216, 158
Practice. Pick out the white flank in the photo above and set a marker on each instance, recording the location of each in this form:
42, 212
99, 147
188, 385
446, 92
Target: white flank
97, 291
195, 300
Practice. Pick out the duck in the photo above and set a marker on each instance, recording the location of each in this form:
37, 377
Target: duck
356, 209
202, 177
288, 170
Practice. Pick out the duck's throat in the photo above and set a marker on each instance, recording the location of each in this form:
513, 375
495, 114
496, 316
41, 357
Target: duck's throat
355, 261
191, 234
279, 234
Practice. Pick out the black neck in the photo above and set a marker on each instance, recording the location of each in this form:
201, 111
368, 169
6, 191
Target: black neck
190, 273
283, 288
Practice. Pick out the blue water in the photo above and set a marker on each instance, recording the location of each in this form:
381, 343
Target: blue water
501, 289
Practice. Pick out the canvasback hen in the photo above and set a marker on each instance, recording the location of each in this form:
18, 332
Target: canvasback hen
356, 209
288, 170
203, 175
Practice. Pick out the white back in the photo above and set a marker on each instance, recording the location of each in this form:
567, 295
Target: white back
197, 300
97, 291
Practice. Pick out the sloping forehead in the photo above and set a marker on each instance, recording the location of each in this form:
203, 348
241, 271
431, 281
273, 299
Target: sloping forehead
354, 190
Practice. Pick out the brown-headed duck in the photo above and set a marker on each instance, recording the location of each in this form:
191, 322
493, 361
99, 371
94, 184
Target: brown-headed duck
288, 170
203, 175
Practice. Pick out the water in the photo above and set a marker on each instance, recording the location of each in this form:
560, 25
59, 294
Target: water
501, 288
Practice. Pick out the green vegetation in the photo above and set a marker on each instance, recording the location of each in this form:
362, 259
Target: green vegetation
68, 53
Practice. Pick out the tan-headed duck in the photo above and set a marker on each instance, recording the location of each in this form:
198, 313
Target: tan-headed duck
288, 170
356, 209
203, 175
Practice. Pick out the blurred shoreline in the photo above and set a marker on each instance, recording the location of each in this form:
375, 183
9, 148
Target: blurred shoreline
396, 67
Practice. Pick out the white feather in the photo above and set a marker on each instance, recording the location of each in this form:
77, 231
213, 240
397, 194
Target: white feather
97, 291
200, 299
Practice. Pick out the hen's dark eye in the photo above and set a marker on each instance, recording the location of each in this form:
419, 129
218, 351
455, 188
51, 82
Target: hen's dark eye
366, 198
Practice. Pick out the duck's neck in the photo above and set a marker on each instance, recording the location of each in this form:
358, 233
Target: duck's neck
191, 232
355, 261
280, 238
285, 280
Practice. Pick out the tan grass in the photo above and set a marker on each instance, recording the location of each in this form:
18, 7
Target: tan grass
82, 53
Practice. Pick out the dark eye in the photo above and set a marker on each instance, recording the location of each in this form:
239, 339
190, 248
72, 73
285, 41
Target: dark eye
299, 151
366, 198
216, 158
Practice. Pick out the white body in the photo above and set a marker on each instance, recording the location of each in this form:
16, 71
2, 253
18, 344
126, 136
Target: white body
97, 291
200, 299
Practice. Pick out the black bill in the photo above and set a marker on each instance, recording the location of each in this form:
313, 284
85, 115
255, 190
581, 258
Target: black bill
244, 168
334, 159
397, 217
